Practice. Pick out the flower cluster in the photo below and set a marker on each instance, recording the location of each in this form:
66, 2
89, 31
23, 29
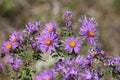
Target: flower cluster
15, 62
22, 51
78, 68
68, 16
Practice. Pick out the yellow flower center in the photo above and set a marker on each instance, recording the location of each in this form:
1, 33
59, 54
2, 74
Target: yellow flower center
50, 30
72, 44
91, 33
48, 42
49, 79
9, 46
93, 53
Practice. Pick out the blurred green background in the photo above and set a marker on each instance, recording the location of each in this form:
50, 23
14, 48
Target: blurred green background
14, 14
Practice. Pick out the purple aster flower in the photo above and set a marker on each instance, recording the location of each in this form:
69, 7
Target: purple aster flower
118, 69
87, 75
95, 76
86, 63
70, 73
69, 62
1, 67
79, 78
15, 67
79, 60
46, 75
82, 62
60, 65
88, 21
115, 61
34, 45
91, 53
48, 43
32, 27
99, 50
88, 30
15, 62
98, 74
49, 28
63, 65
9, 61
68, 15
73, 44
68, 24
39, 77
8, 46
18, 61
24, 35
15, 37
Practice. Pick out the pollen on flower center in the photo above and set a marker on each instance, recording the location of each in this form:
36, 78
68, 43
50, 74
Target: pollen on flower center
91, 33
50, 30
49, 79
72, 43
93, 53
48, 42
9, 46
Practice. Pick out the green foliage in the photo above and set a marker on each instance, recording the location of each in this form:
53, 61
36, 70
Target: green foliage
116, 5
